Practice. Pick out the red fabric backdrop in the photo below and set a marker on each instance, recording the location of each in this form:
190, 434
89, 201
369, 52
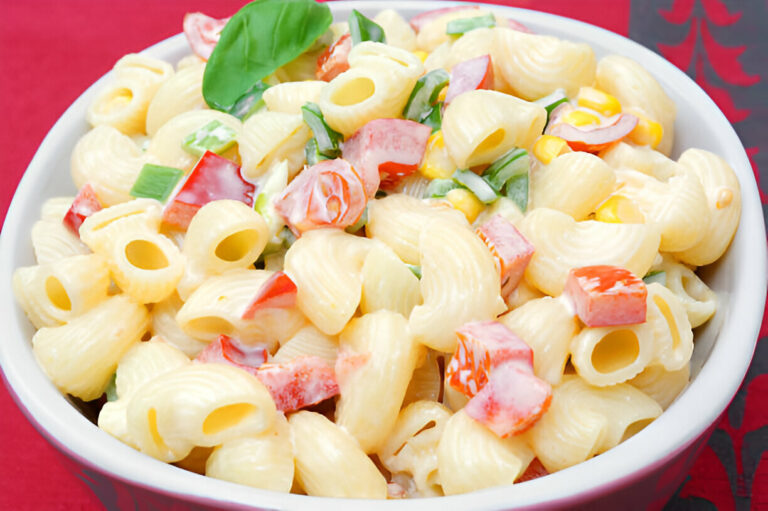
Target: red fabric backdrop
51, 50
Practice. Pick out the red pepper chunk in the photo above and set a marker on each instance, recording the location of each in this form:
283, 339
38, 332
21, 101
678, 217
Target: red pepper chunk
482, 346
203, 32
512, 400
226, 350
472, 74
213, 178
327, 194
534, 471
606, 295
420, 20
333, 61
85, 204
509, 248
385, 151
278, 292
301, 382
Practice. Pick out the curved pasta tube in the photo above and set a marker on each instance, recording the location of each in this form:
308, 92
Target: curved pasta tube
398, 220
55, 293
326, 266
678, 207
289, 97
671, 328
197, 405
426, 380
662, 385
458, 285
403, 63
699, 300
181, 93
166, 146
452, 398
723, 193
330, 463
271, 137
637, 89
264, 461
470, 457
164, 324
433, 34
584, 421
548, 327
109, 161
81, 356
563, 244
51, 242
188, 61
388, 283
439, 58
411, 448
574, 183
481, 125
391, 353
309, 341
537, 65
523, 293
397, 31
414, 185
613, 354
476, 43
642, 159
54, 209
99, 230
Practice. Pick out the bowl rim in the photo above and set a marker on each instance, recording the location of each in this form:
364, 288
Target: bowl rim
684, 421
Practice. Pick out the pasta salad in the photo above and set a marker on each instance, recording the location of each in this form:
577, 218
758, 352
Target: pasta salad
377, 258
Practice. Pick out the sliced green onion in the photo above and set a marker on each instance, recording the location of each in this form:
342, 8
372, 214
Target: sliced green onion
512, 163
364, 29
312, 153
111, 390
214, 136
362, 222
439, 187
415, 269
552, 101
424, 95
659, 277
464, 25
250, 102
270, 186
434, 119
476, 185
327, 139
517, 190
156, 182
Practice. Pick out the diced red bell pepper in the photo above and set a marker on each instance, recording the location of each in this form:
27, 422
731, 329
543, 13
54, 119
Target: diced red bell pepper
333, 61
213, 178
385, 151
327, 194
510, 249
278, 292
418, 21
606, 295
301, 382
226, 350
472, 74
482, 346
85, 204
595, 139
512, 400
203, 32
534, 471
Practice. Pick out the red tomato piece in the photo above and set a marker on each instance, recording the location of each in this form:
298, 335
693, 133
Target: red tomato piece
327, 194
85, 204
606, 295
213, 178
301, 382
483, 346
333, 61
512, 400
418, 21
472, 74
509, 248
278, 292
203, 32
595, 139
385, 151
534, 471
226, 350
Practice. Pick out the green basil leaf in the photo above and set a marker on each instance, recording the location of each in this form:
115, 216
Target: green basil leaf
364, 29
464, 25
327, 140
247, 104
260, 37
312, 152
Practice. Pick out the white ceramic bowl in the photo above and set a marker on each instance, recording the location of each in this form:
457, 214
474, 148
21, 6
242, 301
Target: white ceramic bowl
640, 473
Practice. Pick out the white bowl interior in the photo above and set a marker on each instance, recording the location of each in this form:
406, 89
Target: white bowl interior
717, 367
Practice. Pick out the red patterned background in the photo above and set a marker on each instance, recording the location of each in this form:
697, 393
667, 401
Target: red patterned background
51, 50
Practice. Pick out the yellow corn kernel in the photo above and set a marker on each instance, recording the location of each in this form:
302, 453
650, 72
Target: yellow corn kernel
437, 164
549, 147
580, 118
422, 55
466, 202
647, 132
443, 94
598, 101
619, 210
